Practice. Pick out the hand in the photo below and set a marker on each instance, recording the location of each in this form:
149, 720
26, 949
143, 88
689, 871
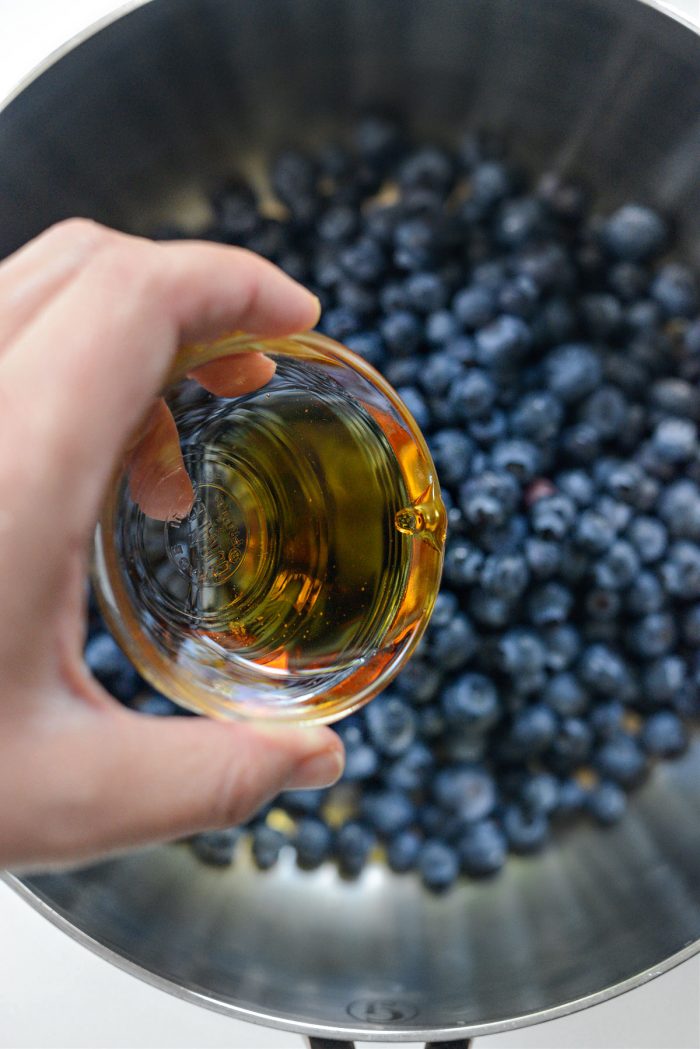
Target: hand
89, 322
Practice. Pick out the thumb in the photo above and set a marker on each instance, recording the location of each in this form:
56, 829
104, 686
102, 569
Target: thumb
141, 779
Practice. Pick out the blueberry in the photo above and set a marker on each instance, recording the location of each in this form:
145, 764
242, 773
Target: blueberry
489, 610
593, 532
425, 292
353, 844
110, 666
463, 563
403, 850
488, 428
340, 322
572, 797
392, 296
438, 372
619, 514
675, 289
412, 771
306, 802
525, 831
453, 645
465, 789
420, 682
537, 417
441, 327
618, 568
267, 845
649, 538
157, 706
482, 849
472, 701
387, 812
691, 626
429, 167
653, 635
573, 371
313, 841
581, 443
532, 731
520, 652
675, 397
601, 315
605, 411
664, 735
549, 603
461, 349
645, 595
607, 803
662, 679
356, 297
439, 865
491, 181
452, 454
431, 721
572, 745
603, 670
416, 405
369, 345
539, 793
390, 725
680, 572
675, 440
503, 342
474, 307
565, 694
621, 760
578, 485
488, 499
519, 296
402, 332
607, 718
378, 138
505, 575
361, 763
402, 371
543, 557
519, 457
293, 176
603, 605
216, 847
634, 233
363, 261
337, 224
414, 244
679, 509
518, 221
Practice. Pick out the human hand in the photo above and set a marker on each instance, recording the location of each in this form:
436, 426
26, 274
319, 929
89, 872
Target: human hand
89, 322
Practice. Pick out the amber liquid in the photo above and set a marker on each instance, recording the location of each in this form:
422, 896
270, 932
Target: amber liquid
297, 553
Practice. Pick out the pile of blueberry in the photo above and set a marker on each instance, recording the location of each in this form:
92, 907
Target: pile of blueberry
551, 355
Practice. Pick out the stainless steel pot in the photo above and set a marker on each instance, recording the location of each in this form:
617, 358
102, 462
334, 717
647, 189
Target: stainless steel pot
143, 116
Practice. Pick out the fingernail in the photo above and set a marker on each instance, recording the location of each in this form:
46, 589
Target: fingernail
317, 303
320, 770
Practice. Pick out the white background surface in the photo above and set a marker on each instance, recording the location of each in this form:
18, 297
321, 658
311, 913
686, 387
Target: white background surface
56, 995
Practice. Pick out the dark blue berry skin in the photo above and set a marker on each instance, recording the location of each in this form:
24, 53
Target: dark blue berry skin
649, 537
267, 845
603, 670
387, 812
573, 371
339, 323
572, 745
313, 841
543, 557
420, 681
621, 760
474, 307
472, 701
338, 224
467, 790
607, 803
482, 849
549, 604
680, 572
572, 797
107, 662
605, 411
491, 181
593, 532
520, 652
607, 718
452, 454
645, 595
538, 416
603, 605
425, 292
487, 429
353, 844
519, 296
618, 568
452, 646
634, 233
369, 345
562, 646
503, 342
664, 735
463, 564
565, 694
402, 371
653, 635
306, 802
601, 315
438, 372
441, 327
578, 485
157, 706
691, 626
531, 732
361, 763
489, 610
402, 332
439, 865
675, 289
519, 457
679, 509
216, 848
662, 679
391, 725
416, 405
431, 722
472, 395
675, 440
403, 850
412, 771
525, 832
505, 576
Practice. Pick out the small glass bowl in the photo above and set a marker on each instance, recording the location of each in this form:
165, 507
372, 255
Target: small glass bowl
314, 495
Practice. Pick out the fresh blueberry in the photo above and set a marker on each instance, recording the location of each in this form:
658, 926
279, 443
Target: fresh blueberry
505, 575
353, 844
403, 850
603, 670
431, 721
412, 771
356, 297
487, 429
402, 371
472, 701
662, 679
387, 812
482, 849
361, 763
439, 865
304, 802
216, 847
645, 595
664, 735
488, 610
109, 665
402, 332
675, 440
340, 322
267, 845
378, 138
581, 443
463, 563
543, 557
601, 315
572, 745
539, 793
549, 603
313, 841
420, 681
462, 349
607, 803
474, 307
503, 342
452, 454
572, 797
465, 789
634, 233
531, 732
416, 405
679, 509
675, 289
618, 568
594, 532
621, 760
519, 296
603, 604
680, 572
607, 718
520, 652
414, 244
653, 635
369, 345
391, 725
525, 831
628, 280
605, 411
452, 646
675, 396
537, 417
425, 292
691, 626
429, 167
491, 181
565, 694
338, 224
519, 457
573, 371
578, 485
438, 372
649, 538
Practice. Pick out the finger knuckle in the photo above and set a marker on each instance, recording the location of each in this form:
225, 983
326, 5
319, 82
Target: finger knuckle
79, 232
